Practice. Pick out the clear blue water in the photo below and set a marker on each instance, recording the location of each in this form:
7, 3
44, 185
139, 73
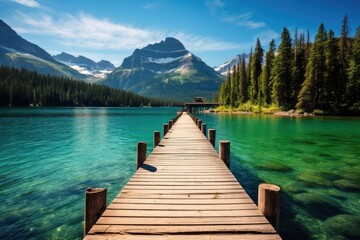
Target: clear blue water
49, 156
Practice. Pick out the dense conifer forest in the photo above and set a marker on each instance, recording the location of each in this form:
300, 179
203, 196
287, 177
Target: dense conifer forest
321, 77
19, 87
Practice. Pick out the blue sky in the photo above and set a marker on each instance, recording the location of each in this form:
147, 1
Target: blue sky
214, 30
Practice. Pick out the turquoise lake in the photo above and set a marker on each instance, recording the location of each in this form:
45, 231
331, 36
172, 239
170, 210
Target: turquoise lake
49, 156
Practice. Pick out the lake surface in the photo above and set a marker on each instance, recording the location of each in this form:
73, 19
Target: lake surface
49, 156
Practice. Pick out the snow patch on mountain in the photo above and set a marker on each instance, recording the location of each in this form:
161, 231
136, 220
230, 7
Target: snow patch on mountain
224, 68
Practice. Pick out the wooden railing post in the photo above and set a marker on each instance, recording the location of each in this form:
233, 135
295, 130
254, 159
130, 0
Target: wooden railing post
166, 129
170, 124
199, 123
156, 138
211, 136
203, 128
269, 203
141, 153
95, 205
224, 152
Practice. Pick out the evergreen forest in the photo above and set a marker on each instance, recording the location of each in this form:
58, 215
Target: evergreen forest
322, 76
20, 87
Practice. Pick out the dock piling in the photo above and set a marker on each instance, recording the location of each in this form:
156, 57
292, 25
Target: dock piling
199, 123
141, 153
166, 129
269, 203
156, 138
211, 136
170, 124
203, 128
95, 205
224, 152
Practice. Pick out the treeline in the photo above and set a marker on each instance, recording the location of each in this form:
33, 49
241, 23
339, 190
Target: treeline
321, 77
19, 87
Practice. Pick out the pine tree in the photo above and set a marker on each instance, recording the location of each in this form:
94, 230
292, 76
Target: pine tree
243, 87
256, 64
311, 94
248, 73
265, 77
331, 75
344, 56
227, 89
234, 88
353, 85
299, 67
282, 72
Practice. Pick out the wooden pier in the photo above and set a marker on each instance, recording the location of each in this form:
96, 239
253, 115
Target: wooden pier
183, 190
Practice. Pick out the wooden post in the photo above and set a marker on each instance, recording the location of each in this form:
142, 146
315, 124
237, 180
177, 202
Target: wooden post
211, 136
224, 152
269, 203
203, 128
196, 121
95, 205
170, 124
199, 124
166, 129
156, 138
141, 153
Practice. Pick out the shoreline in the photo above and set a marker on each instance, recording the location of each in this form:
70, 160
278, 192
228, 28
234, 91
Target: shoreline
290, 113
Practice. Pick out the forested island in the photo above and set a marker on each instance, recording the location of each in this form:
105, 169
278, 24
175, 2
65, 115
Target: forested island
20, 87
322, 77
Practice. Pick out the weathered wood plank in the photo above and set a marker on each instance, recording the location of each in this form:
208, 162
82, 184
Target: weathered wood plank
183, 191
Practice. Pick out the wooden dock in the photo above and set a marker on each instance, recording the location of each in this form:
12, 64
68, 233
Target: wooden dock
183, 191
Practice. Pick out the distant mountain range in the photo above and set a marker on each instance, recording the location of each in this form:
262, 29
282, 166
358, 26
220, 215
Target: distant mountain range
165, 70
223, 69
20, 53
85, 65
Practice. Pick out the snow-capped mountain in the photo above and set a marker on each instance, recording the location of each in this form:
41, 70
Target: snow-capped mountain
165, 70
223, 69
17, 52
85, 65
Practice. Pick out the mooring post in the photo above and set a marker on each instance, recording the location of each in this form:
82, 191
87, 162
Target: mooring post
166, 129
269, 203
199, 123
211, 136
196, 120
170, 124
224, 152
203, 128
156, 138
95, 205
141, 153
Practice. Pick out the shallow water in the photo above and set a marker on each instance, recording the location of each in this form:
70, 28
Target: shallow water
315, 161
49, 156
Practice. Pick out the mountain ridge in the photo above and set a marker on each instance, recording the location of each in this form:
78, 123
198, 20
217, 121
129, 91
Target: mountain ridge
165, 69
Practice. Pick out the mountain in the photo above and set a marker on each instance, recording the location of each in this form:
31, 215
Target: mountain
165, 70
20, 53
223, 69
85, 65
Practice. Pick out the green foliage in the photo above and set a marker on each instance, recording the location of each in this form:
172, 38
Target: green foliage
256, 62
266, 73
25, 88
282, 72
321, 77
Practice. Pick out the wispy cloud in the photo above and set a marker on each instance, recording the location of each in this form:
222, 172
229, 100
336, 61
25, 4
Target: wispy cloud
90, 32
243, 20
150, 5
28, 3
214, 5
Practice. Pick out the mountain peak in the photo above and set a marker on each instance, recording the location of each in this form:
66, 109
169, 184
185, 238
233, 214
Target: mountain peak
169, 45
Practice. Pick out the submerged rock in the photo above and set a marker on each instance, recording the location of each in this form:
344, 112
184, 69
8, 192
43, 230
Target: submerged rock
347, 185
314, 179
344, 225
274, 166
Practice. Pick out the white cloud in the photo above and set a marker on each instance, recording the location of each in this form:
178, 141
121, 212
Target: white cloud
214, 5
149, 5
244, 20
28, 3
86, 31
